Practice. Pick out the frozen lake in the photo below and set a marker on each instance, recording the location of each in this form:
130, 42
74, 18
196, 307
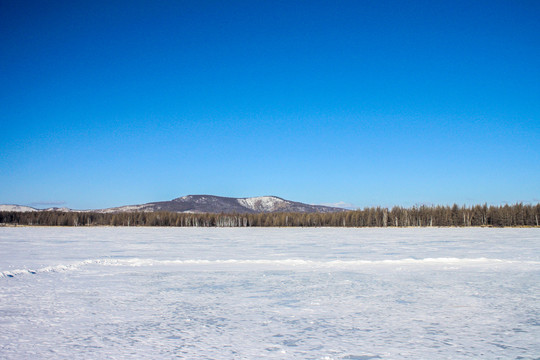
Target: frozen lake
275, 293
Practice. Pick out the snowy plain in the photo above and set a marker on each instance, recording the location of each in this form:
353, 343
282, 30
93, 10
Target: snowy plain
271, 293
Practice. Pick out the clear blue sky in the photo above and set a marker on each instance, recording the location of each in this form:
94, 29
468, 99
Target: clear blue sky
365, 102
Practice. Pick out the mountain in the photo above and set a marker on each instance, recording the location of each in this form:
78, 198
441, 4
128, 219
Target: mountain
220, 204
204, 204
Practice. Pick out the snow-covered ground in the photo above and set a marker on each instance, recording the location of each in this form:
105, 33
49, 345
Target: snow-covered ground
326, 293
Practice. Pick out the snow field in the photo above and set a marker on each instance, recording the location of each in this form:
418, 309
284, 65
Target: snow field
269, 293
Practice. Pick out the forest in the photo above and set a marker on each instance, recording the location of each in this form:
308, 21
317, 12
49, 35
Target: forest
416, 216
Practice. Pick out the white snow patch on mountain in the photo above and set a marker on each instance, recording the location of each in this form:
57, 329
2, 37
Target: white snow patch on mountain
64, 209
263, 203
127, 208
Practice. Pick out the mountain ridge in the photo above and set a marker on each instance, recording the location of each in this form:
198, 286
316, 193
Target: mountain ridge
204, 204
222, 204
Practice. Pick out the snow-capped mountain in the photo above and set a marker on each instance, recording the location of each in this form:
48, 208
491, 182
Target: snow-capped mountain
220, 204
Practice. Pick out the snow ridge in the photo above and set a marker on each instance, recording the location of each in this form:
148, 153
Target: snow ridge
278, 263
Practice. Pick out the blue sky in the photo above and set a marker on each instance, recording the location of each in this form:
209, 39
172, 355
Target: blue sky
362, 102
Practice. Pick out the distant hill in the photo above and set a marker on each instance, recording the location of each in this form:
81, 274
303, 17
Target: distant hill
17, 208
22, 208
204, 204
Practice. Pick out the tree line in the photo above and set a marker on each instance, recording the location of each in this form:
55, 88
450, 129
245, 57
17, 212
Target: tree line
422, 216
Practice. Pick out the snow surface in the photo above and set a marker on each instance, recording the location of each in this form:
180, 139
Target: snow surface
271, 293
